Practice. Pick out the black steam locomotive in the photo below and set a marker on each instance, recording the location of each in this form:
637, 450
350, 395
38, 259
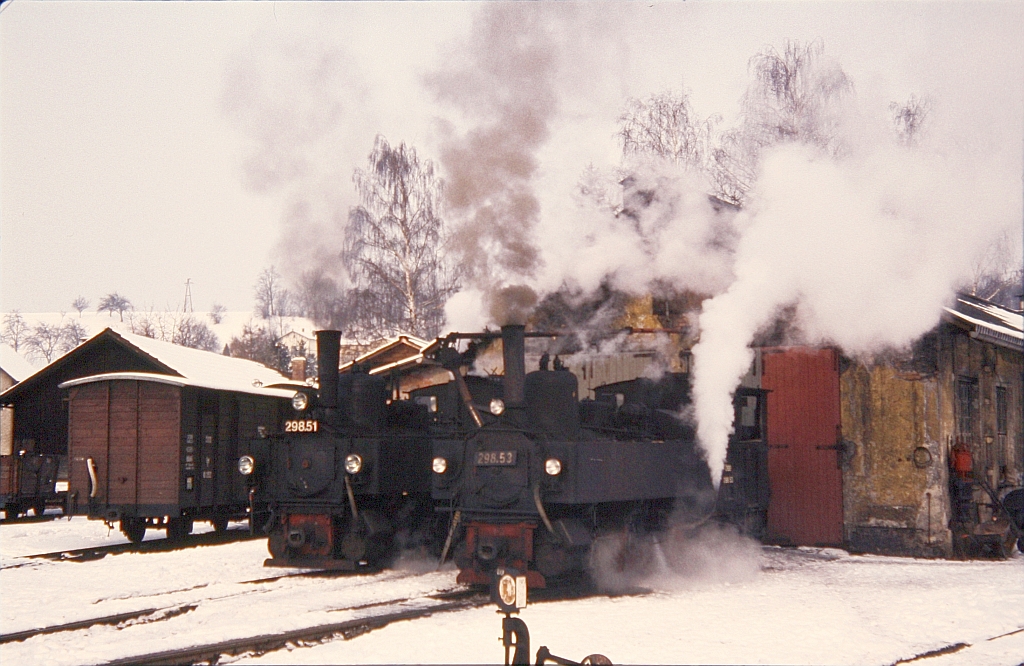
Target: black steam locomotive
537, 475
348, 480
511, 471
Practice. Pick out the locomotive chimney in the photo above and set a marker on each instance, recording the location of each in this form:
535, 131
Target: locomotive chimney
514, 353
328, 353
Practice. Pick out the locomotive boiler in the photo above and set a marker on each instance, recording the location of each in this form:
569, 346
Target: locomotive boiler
347, 481
537, 475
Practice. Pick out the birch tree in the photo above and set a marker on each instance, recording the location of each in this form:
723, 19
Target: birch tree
395, 246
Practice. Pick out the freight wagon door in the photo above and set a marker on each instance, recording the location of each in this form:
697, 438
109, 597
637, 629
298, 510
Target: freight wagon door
208, 418
806, 507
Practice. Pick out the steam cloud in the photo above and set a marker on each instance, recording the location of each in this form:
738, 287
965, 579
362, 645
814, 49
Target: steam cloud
868, 248
865, 248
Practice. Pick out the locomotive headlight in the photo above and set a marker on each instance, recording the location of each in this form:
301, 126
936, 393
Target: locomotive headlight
353, 463
440, 465
553, 466
246, 465
300, 401
497, 406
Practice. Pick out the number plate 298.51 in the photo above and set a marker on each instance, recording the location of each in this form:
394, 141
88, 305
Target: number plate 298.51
496, 458
301, 425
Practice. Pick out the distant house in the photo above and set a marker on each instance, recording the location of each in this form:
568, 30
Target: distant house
297, 344
40, 414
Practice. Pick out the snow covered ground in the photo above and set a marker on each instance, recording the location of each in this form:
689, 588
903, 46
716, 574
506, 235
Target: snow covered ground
722, 601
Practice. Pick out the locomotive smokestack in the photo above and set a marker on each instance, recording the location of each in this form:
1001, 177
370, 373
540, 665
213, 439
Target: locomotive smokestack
514, 352
328, 353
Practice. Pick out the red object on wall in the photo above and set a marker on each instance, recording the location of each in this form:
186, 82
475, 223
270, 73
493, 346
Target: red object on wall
806, 507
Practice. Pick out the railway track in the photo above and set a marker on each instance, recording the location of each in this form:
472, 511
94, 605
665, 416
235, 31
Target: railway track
167, 612
382, 614
93, 553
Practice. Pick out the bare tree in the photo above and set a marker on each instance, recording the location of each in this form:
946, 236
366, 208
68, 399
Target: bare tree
796, 97
217, 313
81, 304
15, 329
272, 299
192, 332
321, 299
114, 302
908, 119
666, 125
395, 245
72, 335
45, 341
257, 343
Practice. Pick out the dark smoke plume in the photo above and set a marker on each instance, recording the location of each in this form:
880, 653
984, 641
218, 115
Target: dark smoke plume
505, 89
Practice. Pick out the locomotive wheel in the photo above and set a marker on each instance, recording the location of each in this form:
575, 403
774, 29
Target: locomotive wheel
220, 524
134, 529
39, 507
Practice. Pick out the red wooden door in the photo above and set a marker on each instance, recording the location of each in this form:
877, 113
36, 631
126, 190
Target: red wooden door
806, 507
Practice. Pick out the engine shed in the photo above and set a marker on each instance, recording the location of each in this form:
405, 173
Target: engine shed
906, 453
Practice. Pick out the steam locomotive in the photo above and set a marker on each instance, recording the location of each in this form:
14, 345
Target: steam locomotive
505, 472
539, 475
347, 482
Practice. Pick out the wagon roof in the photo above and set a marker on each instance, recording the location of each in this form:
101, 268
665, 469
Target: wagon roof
178, 381
988, 321
161, 358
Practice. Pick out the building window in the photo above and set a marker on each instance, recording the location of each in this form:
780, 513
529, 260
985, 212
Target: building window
1002, 416
966, 408
1002, 406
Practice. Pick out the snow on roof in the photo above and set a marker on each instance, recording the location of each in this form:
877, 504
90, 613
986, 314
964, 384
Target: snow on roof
382, 350
175, 381
990, 321
208, 369
14, 364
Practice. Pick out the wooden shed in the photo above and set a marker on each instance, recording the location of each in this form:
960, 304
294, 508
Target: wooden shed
153, 450
861, 451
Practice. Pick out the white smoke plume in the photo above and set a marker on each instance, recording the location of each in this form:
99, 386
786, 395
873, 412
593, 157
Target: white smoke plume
678, 558
868, 248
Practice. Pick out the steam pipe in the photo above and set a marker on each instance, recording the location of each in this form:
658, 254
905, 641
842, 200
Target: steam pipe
467, 398
328, 354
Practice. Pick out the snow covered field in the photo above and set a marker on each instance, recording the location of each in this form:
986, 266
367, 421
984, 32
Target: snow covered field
726, 601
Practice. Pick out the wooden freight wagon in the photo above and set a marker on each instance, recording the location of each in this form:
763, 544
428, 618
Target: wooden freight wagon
29, 481
150, 450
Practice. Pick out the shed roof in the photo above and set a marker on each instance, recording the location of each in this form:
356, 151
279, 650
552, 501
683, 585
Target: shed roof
988, 321
14, 364
198, 367
177, 381
390, 352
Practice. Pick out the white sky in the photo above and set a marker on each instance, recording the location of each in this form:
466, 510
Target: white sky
126, 129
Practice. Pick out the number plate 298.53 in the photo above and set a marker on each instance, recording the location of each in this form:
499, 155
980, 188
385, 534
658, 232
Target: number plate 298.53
496, 458
301, 425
